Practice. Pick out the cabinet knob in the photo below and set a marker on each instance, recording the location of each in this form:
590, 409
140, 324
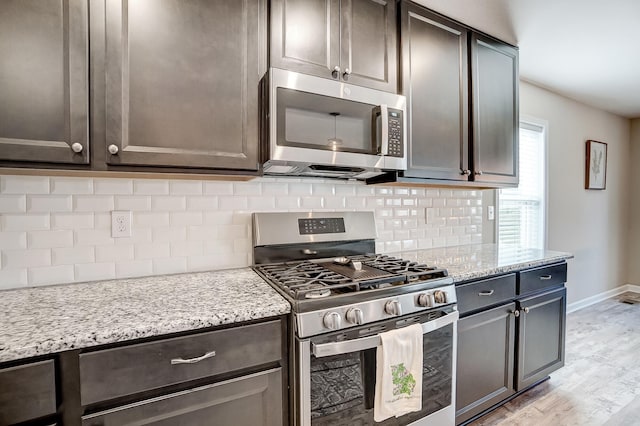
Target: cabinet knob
336, 72
515, 313
113, 149
346, 74
466, 172
76, 147
525, 310
479, 172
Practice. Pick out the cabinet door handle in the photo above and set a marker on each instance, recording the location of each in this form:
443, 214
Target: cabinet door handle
545, 277
113, 149
485, 293
479, 172
308, 251
336, 72
515, 313
208, 355
346, 74
77, 147
525, 310
465, 172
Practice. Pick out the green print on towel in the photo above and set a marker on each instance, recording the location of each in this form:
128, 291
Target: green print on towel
402, 379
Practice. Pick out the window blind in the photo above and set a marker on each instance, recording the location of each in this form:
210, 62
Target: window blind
521, 210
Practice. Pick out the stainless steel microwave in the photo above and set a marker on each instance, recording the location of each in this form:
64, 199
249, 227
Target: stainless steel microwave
314, 126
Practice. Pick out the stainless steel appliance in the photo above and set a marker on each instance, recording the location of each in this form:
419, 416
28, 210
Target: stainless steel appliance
343, 296
319, 127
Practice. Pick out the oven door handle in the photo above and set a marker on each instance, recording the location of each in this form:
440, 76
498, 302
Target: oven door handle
355, 345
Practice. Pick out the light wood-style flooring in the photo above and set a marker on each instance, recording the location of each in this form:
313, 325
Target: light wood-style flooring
600, 382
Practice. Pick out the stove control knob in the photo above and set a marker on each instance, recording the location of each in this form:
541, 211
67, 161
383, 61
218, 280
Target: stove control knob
393, 307
440, 296
355, 316
425, 300
332, 320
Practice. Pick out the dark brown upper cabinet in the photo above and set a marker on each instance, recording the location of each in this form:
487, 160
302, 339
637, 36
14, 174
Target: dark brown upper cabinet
494, 78
347, 40
435, 82
462, 97
44, 99
180, 82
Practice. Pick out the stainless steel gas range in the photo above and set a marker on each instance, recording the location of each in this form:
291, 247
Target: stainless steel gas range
343, 297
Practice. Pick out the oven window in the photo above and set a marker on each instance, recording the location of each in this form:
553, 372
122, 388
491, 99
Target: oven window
307, 120
343, 386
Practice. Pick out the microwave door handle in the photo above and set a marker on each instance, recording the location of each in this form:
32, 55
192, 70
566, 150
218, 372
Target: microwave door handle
384, 131
369, 342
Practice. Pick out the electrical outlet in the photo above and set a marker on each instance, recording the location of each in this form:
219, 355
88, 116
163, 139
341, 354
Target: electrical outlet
120, 224
491, 213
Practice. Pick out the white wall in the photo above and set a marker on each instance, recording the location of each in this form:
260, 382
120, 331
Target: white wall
57, 229
593, 225
633, 270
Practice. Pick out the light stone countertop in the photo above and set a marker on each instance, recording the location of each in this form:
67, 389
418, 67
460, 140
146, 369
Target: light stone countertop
46, 320
477, 261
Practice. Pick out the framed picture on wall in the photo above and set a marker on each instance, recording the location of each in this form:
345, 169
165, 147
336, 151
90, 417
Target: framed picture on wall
596, 166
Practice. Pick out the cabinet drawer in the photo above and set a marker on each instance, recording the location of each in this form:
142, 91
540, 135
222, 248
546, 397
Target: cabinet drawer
542, 278
27, 392
136, 368
252, 400
479, 294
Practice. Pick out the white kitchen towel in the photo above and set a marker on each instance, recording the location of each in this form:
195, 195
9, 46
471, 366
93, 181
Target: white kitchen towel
398, 373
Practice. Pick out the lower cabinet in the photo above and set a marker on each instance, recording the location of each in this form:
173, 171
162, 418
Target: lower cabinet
486, 345
247, 400
505, 349
541, 336
27, 393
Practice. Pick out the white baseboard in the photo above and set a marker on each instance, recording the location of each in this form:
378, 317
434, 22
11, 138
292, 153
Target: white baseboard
581, 304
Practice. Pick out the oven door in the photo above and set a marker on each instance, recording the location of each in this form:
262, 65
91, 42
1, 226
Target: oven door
337, 375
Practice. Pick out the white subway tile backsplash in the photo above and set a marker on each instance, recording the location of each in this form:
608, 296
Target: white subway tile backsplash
150, 187
72, 255
113, 186
186, 218
24, 222
185, 187
71, 220
93, 203
92, 237
13, 240
94, 271
13, 278
136, 268
13, 203
114, 253
169, 265
168, 203
49, 239
149, 251
188, 225
71, 186
24, 185
133, 202
49, 203
51, 275
15, 259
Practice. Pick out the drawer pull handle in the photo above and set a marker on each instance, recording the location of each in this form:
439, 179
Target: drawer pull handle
175, 361
545, 277
485, 293
525, 310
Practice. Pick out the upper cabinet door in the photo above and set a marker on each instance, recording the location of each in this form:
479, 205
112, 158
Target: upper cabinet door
305, 36
347, 40
369, 43
182, 82
435, 80
43, 81
494, 68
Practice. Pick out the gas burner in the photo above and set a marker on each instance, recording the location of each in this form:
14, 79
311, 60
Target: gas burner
315, 291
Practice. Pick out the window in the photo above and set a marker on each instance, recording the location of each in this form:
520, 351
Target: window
521, 210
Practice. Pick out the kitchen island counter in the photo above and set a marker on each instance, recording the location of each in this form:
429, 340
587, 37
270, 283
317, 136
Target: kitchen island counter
476, 261
47, 320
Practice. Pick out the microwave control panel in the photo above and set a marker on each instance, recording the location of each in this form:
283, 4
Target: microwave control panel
396, 143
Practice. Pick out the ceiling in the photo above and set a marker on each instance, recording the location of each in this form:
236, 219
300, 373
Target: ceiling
584, 49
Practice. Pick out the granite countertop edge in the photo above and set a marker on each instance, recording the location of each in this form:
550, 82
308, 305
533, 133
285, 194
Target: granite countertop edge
85, 315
